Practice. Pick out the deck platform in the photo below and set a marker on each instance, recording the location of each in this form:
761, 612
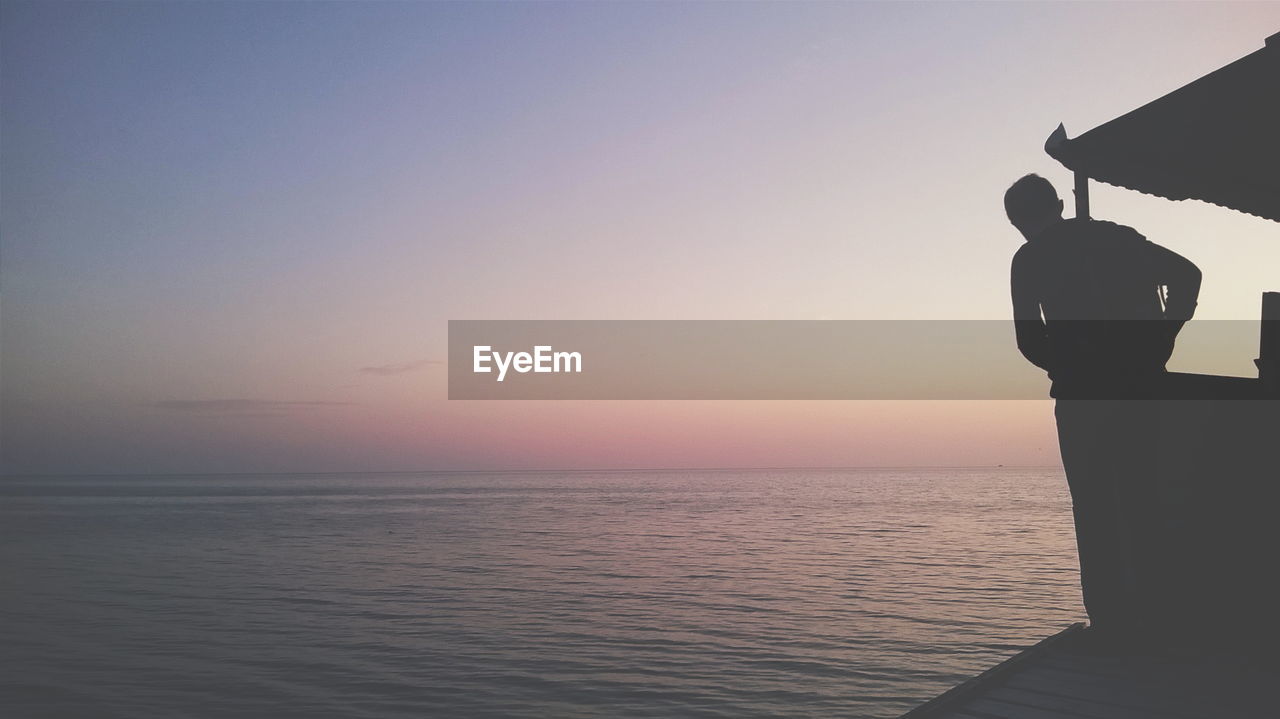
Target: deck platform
1053, 680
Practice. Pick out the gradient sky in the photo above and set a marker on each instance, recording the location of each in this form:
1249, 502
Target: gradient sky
233, 233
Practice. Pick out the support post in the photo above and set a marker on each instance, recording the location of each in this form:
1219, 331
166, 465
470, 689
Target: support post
1269, 345
1082, 196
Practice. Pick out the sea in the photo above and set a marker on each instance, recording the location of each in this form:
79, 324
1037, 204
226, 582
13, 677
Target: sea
658, 593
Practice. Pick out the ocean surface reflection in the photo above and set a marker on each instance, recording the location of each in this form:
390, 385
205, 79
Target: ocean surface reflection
730, 593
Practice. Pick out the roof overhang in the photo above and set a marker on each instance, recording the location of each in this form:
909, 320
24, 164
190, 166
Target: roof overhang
1216, 139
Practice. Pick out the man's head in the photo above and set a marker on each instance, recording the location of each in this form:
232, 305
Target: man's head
1032, 205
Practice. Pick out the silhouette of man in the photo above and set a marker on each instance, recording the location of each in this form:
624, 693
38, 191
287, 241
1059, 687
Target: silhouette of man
1090, 308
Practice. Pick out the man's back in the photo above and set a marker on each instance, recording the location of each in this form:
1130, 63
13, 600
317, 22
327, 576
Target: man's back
1092, 270
1097, 285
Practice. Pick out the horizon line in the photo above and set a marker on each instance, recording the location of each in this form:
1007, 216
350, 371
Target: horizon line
8, 475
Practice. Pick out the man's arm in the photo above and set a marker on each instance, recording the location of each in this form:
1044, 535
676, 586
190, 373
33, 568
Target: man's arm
1182, 278
1033, 337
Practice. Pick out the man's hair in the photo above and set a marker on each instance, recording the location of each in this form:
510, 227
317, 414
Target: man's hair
1029, 199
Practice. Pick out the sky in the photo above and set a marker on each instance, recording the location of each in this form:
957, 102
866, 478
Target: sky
233, 233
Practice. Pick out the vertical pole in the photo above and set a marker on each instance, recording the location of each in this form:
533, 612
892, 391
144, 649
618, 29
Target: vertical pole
1082, 196
1269, 345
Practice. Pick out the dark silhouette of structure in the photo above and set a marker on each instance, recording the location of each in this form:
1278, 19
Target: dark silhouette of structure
1213, 140
1175, 485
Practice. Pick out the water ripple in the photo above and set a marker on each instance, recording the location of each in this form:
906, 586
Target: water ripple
626, 594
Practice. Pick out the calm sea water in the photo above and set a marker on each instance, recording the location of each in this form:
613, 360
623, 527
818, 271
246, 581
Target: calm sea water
798, 593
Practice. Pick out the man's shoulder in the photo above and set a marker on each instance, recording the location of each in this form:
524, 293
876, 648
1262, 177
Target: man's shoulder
1100, 239
1031, 261
1117, 231
1101, 229
1025, 254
